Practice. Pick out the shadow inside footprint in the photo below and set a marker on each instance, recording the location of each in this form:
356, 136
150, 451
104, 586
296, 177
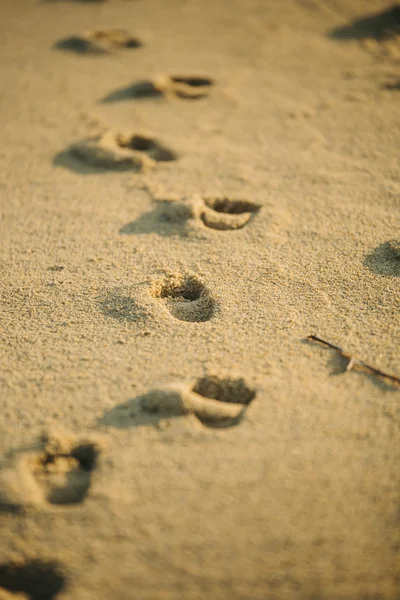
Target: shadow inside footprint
193, 81
187, 87
148, 145
379, 26
65, 476
225, 390
38, 580
186, 298
385, 259
120, 307
227, 214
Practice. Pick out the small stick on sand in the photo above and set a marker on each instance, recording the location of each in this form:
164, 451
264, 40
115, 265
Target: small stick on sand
355, 362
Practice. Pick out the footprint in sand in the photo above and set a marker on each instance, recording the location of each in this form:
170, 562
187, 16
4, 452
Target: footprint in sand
34, 580
58, 473
98, 41
221, 213
121, 151
225, 213
215, 401
185, 297
189, 87
183, 217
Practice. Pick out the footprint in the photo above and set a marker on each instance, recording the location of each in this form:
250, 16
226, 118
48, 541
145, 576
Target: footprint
190, 88
183, 217
58, 472
98, 41
226, 214
122, 151
65, 475
385, 259
35, 580
185, 296
215, 401
148, 145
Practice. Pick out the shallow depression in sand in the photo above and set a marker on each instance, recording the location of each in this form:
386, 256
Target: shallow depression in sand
224, 390
227, 214
186, 298
65, 477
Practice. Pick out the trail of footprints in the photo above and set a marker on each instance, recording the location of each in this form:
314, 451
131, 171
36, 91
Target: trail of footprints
59, 471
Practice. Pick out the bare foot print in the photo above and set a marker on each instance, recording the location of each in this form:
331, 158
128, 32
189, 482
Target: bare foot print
58, 472
184, 87
185, 297
144, 144
187, 87
35, 580
184, 217
216, 402
380, 25
225, 214
118, 151
64, 475
99, 41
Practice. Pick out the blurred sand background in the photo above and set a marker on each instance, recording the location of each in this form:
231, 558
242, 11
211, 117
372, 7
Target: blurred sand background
297, 497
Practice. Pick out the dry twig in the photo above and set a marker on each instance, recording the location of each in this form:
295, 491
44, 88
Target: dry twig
355, 363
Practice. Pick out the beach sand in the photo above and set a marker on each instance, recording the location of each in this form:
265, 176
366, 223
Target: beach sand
181, 206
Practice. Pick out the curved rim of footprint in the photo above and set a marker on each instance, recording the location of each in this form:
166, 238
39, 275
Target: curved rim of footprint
113, 150
224, 213
188, 87
99, 41
218, 212
185, 297
215, 401
58, 472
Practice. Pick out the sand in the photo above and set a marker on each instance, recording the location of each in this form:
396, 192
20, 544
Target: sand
167, 431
